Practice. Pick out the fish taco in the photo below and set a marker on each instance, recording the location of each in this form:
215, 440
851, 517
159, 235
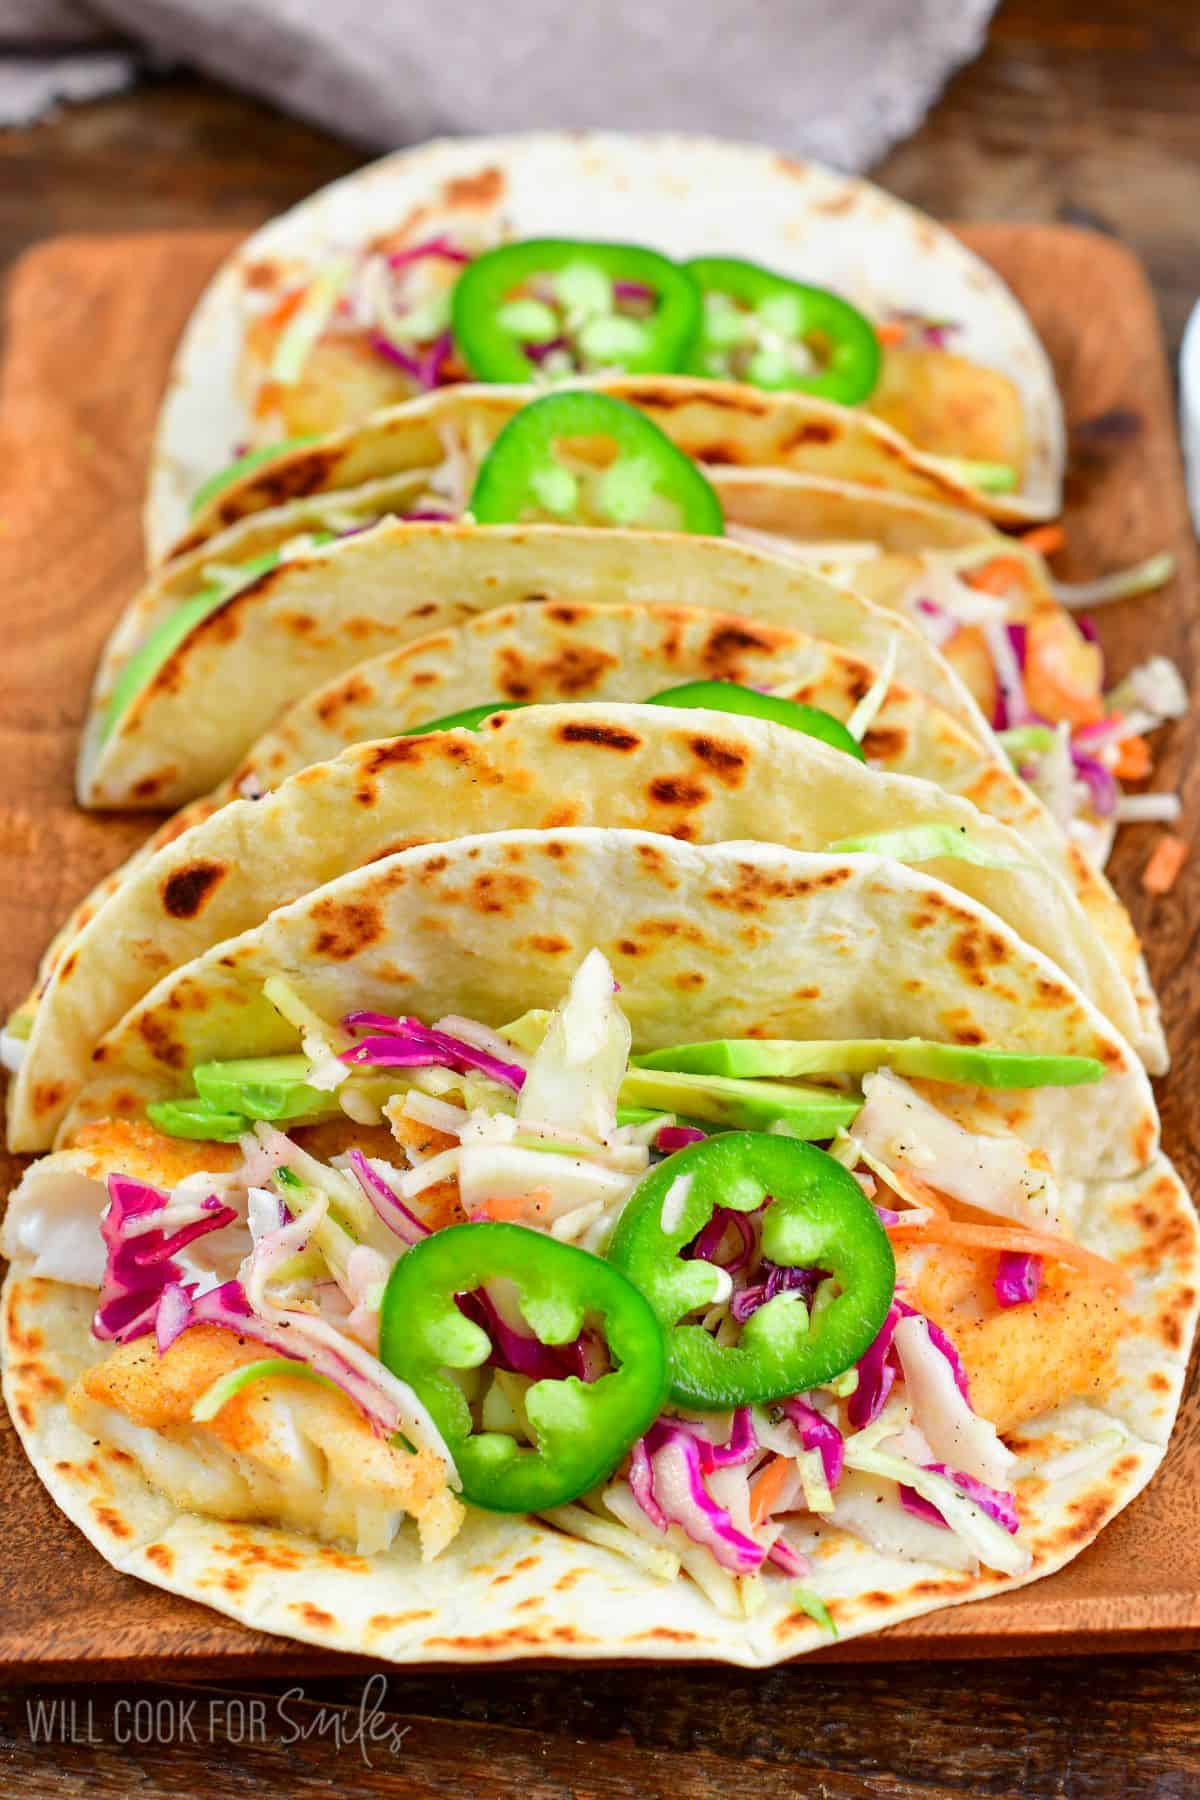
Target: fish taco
591, 1244
464, 260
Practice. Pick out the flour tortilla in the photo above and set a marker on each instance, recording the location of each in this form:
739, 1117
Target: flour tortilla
687, 196
799, 512
782, 944
688, 773
729, 429
572, 651
314, 617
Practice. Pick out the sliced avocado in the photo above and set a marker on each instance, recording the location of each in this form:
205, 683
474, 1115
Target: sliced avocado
803, 1112
642, 1115
264, 1087
987, 477
749, 1059
243, 465
196, 1119
166, 638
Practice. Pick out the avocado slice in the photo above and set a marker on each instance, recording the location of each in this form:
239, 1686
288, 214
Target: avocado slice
782, 1058
243, 465
196, 1119
264, 1087
166, 638
794, 1111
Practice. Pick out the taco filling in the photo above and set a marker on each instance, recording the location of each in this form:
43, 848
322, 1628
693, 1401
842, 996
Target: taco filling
703, 1307
396, 319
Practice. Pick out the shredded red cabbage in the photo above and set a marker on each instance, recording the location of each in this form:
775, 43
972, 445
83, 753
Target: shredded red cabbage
435, 246
1103, 791
139, 1266
587, 1358
173, 1314
678, 1490
997, 1505
787, 1559
228, 1307
1018, 1278
920, 1508
387, 1204
778, 1280
537, 353
407, 1044
940, 1341
425, 370
676, 1137
641, 1483
513, 1350
817, 1433
706, 1246
876, 1375
741, 1447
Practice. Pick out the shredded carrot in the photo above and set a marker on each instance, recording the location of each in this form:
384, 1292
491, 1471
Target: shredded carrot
766, 1488
514, 1206
1166, 860
924, 1193
1011, 1237
267, 398
286, 309
1045, 539
1133, 759
998, 575
890, 332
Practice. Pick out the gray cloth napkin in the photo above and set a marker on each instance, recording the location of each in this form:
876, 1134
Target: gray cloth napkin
841, 80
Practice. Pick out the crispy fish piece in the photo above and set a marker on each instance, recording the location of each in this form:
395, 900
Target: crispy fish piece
1020, 1360
951, 407
284, 1451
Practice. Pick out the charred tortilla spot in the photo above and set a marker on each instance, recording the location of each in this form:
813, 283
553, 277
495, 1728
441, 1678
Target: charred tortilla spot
158, 1040
884, 743
354, 692
607, 737
724, 653
380, 1622
185, 893
46, 1096
111, 1520
501, 893
677, 790
663, 1634
549, 946
812, 431
290, 479
726, 763
316, 1616
483, 189
396, 751
345, 928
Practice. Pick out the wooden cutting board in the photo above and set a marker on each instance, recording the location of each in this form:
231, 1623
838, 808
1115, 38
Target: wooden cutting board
91, 324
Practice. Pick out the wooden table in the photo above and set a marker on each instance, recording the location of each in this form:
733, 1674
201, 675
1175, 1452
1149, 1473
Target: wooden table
1081, 113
